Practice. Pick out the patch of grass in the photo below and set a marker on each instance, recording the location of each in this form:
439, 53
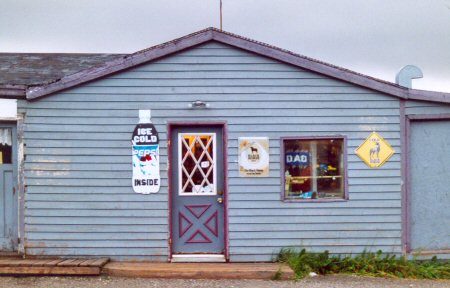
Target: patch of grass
277, 275
368, 263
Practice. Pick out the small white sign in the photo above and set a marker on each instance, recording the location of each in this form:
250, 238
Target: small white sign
253, 157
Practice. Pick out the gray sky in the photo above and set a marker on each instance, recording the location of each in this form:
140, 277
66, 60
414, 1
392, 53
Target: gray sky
374, 37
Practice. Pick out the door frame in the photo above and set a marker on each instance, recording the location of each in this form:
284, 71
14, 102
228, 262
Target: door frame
406, 199
218, 124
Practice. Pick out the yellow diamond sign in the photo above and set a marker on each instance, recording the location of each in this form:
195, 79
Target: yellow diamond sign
374, 151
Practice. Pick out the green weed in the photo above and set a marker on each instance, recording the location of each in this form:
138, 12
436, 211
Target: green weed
277, 275
368, 263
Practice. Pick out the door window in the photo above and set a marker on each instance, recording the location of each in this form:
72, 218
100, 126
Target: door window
197, 154
5, 146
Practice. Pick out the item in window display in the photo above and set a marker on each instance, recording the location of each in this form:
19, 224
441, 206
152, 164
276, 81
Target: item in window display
287, 185
332, 170
301, 175
301, 185
294, 170
323, 169
197, 189
206, 189
297, 158
305, 171
306, 195
333, 184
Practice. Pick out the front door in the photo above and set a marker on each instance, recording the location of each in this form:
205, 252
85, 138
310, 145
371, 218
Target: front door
8, 191
197, 190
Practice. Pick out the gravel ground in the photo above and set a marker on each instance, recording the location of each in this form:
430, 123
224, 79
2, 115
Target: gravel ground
338, 281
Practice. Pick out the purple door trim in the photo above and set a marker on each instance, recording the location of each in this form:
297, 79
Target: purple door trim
404, 132
223, 125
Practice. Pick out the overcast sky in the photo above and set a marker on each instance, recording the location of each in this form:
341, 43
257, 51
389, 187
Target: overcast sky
374, 37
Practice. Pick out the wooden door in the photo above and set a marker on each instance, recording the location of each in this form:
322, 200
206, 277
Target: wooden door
197, 191
8, 191
429, 195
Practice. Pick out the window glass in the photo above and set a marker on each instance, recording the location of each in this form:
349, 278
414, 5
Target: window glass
5, 146
314, 168
197, 167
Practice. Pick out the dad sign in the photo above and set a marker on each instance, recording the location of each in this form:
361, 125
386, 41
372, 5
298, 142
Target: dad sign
297, 158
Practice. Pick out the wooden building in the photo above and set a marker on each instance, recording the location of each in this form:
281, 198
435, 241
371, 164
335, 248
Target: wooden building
259, 149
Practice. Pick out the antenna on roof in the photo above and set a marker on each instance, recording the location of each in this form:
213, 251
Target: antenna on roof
220, 15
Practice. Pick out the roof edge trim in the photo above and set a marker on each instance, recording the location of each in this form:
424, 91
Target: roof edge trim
202, 36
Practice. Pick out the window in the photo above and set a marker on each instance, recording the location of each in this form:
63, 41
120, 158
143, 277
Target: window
5, 146
314, 168
198, 164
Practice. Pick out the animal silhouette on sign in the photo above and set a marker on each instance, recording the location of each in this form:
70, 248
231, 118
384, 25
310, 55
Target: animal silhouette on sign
253, 156
375, 153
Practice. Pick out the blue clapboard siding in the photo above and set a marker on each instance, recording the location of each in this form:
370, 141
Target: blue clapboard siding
424, 107
79, 199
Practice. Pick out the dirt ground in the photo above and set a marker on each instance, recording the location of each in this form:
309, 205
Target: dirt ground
337, 281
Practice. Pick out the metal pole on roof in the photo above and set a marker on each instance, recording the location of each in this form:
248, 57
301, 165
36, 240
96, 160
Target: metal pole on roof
220, 15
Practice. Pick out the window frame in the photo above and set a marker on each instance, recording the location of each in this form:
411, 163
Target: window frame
283, 168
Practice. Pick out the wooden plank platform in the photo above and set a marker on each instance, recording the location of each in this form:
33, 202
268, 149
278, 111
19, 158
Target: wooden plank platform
33, 267
198, 270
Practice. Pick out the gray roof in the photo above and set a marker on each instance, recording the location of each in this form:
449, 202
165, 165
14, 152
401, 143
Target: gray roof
31, 69
78, 72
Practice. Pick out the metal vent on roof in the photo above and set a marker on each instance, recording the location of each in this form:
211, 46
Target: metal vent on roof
406, 74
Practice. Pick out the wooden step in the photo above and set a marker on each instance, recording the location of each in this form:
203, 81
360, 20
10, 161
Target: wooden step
199, 270
8, 254
53, 266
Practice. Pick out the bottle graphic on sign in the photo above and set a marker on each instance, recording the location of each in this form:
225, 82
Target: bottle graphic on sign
145, 155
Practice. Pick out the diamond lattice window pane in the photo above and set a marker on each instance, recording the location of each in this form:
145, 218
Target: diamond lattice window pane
197, 164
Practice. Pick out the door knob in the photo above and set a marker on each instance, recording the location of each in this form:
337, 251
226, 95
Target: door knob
220, 200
